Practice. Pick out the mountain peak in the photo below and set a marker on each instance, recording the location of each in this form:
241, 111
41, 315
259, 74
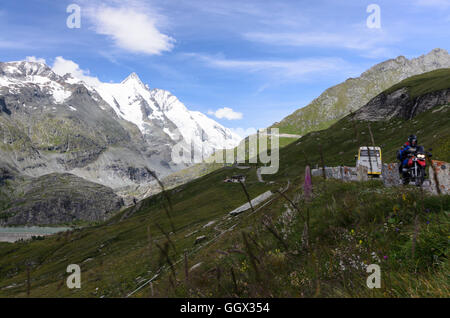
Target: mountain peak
24, 68
438, 50
348, 96
29, 71
436, 53
133, 77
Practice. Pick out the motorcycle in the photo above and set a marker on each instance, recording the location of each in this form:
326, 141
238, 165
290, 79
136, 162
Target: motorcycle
415, 168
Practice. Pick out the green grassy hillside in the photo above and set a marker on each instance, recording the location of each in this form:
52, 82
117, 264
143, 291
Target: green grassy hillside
351, 226
262, 249
424, 83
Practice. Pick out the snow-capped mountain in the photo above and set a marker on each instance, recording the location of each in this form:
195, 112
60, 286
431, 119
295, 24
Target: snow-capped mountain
147, 108
106, 133
18, 74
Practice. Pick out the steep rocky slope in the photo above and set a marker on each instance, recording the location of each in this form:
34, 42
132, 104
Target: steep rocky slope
56, 199
65, 146
107, 134
409, 97
338, 101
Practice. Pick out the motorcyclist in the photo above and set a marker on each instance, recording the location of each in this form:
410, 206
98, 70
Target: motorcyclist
402, 153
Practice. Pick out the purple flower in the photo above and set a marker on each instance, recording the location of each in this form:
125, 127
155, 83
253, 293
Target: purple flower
385, 257
307, 187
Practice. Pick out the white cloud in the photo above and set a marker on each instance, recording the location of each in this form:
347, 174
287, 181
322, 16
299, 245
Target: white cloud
131, 28
226, 113
281, 68
35, 59
357, 39
62, 66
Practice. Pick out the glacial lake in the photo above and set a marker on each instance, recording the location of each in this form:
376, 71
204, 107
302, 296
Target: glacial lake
12, 234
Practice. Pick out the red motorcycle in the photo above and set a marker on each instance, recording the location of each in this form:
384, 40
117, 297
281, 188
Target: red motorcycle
415, 168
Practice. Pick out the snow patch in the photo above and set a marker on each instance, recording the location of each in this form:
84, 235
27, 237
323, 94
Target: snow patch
19, 74
132, 101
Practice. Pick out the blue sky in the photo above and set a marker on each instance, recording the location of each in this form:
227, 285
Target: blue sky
262, 59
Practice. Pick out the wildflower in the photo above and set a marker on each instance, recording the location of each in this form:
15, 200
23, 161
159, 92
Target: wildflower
385, 257
352, 232
375, 256
404, 197
244, 266
307, 187
295, 281
360, 242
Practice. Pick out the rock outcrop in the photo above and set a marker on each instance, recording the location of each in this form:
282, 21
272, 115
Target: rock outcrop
400, 104
441, 173
59, 199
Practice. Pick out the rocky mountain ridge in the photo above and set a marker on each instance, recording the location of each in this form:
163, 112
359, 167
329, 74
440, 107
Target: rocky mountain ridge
338, 101
108, 134
409, 98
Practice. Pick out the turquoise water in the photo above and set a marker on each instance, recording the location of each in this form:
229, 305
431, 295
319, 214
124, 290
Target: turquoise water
33, 229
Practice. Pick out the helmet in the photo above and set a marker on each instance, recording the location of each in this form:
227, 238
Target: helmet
412, 140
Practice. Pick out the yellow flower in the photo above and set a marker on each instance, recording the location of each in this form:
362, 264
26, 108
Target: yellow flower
244, 266
352, 231
360, 242
404, 197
